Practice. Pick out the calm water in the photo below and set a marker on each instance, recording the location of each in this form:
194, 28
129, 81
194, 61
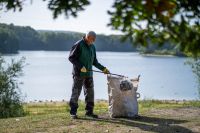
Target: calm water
48, 75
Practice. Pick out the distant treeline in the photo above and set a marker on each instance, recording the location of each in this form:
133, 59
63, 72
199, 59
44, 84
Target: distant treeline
14, 38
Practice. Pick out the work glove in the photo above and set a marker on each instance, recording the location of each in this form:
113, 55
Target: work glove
83, 69
106, 71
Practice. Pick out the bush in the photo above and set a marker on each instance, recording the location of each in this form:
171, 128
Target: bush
195, 65
10, 95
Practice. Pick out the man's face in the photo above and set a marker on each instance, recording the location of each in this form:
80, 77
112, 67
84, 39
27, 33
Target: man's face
90, 40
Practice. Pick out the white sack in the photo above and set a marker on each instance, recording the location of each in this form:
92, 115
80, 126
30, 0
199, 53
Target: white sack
122, 102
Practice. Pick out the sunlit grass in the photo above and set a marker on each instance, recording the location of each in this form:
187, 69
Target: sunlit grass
54, 117
145, 105
101, 106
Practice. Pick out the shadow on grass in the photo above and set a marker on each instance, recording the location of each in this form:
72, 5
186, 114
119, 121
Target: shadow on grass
146, 123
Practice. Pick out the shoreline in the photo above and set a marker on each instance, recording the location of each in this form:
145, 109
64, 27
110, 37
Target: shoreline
159, 55
104, 100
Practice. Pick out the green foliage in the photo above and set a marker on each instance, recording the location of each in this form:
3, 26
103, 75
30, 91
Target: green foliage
10, 96
142, 21
23, 38
8, 41
158, 21
58, 40
29, 39
68, 7
11, 4
195, 65
165, 49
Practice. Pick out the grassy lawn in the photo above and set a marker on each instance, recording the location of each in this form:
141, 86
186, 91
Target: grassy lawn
157, 116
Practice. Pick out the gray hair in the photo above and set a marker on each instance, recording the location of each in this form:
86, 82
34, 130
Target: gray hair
91, 33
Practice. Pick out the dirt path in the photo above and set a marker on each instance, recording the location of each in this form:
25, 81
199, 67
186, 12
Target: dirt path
182, 120
179, 120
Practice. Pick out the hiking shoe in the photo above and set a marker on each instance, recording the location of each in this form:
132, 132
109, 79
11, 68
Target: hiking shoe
137, 117
91, 115
73, 116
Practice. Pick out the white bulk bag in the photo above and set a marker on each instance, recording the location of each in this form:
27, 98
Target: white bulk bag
122, 99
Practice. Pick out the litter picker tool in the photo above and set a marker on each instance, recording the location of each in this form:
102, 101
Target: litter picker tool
109, 73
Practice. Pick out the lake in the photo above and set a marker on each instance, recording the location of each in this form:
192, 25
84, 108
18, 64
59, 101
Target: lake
47, 75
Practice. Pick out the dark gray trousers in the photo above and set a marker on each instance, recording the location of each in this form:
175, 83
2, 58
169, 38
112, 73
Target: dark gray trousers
88, 87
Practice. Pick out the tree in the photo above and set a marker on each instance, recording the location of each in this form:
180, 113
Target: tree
143, 21
68, 7
176, 21
10, 96
8, 41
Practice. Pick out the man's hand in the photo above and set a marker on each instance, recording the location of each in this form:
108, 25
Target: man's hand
83, 69
106, 71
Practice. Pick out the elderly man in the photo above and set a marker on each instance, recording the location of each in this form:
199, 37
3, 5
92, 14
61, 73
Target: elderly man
83, 57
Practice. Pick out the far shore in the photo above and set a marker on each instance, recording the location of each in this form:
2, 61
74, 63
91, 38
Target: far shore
158, 55
161, 55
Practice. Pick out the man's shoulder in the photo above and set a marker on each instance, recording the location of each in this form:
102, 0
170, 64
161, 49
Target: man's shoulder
79, 42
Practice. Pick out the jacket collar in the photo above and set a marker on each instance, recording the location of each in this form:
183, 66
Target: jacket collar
85, 41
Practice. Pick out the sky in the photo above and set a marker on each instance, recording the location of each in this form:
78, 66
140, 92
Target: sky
36, 15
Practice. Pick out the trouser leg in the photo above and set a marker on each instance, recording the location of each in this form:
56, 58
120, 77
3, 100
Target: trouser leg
89, 94
76, 91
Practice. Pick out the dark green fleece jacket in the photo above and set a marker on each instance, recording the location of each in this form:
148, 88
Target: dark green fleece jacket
81, 55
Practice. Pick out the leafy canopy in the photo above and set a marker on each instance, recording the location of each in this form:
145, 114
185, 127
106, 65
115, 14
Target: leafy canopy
141, 21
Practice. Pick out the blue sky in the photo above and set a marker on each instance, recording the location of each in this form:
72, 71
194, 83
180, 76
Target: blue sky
37, 15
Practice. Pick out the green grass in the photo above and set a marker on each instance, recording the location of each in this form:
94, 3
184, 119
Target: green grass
102, 106
145, 105
54, 117
60, 107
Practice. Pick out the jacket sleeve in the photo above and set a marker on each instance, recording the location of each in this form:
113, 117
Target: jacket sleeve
74, 55
96, 63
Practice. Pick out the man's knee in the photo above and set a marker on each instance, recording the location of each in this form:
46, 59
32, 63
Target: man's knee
76, 89
77, 83
89, 90
89, 83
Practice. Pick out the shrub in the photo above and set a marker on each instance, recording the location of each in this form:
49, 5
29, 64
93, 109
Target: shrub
10, 95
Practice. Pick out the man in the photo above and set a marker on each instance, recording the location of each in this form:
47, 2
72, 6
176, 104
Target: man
83, 57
